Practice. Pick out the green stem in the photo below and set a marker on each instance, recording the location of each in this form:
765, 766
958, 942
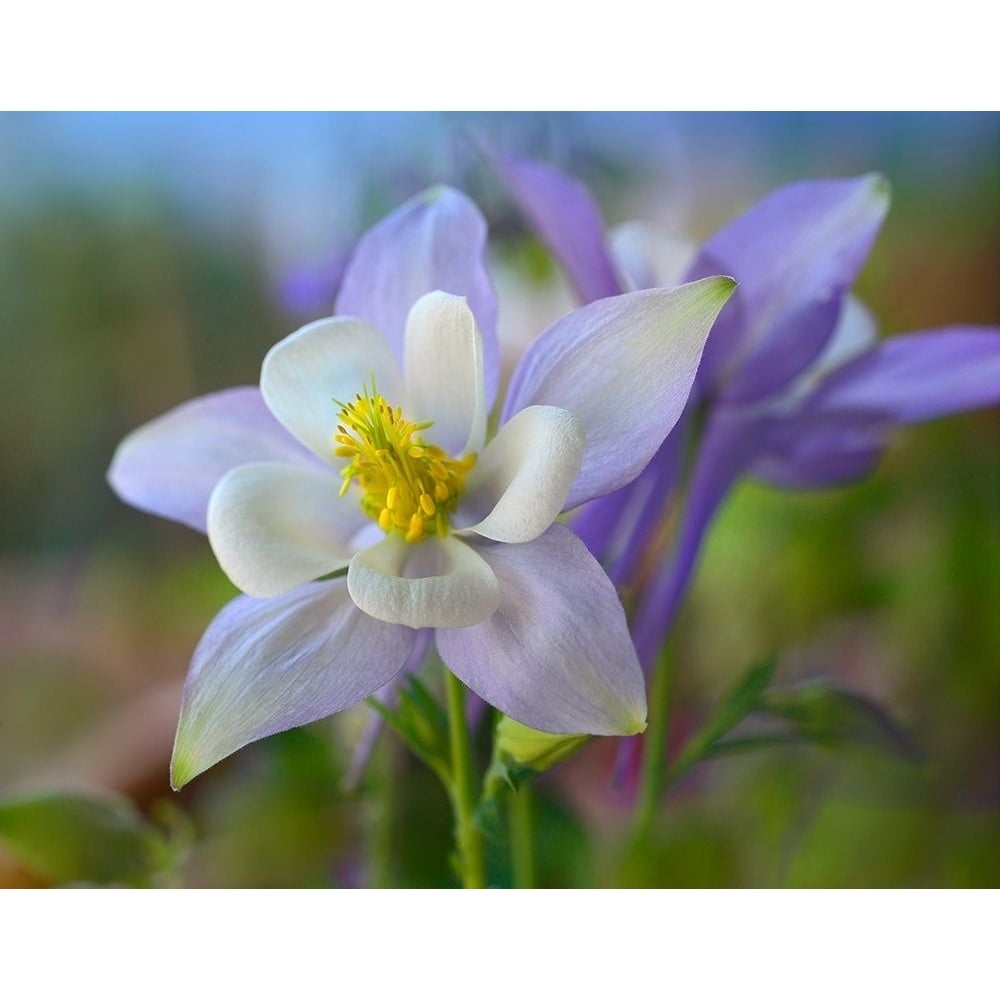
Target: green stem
654, 773
468, 839
522, 856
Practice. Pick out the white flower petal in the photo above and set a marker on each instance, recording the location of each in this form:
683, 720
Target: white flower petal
443, 364
273, 526
855, 332
648, 257
446, 584
328, 360
522, 479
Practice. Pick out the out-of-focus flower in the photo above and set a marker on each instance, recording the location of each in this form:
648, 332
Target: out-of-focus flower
365, 449
793, 387
311, 289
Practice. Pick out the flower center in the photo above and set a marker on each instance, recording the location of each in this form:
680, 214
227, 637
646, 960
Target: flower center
408, 485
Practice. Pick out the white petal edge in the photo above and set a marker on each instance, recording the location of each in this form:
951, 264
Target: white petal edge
274, 527
331, 359
525, 474
443, 371
447, 584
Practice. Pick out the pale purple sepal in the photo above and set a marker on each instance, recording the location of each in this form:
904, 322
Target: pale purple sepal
794, 254
435, 242
808, 451
557, 654
838, 433
918, 376
567, 219
266, 666
624, 367
170, 465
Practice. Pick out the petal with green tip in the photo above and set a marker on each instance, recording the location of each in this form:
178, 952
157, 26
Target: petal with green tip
624, 367
795, 254
266, 666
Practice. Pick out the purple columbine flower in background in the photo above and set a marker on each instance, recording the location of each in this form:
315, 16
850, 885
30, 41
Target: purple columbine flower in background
793, 388
311, 289
366, 449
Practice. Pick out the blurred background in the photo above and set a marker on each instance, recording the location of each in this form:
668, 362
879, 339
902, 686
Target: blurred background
146, 259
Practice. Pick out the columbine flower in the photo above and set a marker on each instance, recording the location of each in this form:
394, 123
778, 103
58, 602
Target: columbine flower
311, 289
793, 386
366, 448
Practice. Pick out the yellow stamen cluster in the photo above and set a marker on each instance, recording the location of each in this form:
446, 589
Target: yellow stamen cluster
408, 485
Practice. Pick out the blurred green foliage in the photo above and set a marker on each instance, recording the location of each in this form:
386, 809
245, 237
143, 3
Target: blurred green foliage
71, 839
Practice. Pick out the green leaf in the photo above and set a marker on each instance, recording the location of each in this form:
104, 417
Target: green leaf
818, 712
745, 744
830, 716
422, 724
743, 699
69, 838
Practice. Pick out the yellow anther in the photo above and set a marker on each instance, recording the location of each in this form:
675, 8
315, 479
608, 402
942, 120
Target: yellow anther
416, 529
407, 485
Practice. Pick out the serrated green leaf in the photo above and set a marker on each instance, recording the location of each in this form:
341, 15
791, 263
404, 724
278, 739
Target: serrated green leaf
827, 715
70, 838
